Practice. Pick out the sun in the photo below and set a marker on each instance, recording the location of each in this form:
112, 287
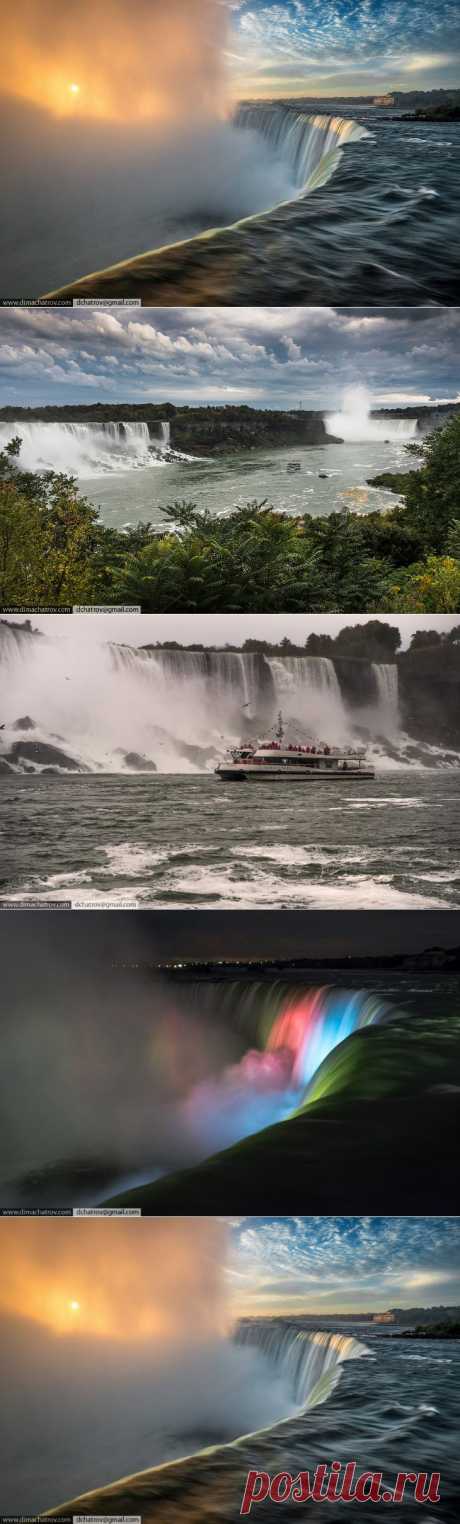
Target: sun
74, 1306
74, 89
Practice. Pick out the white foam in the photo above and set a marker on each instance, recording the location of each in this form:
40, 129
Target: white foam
217, 887
292, 856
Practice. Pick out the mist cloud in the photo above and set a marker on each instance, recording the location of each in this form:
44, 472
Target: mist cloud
115, 1279
132, 60
116, 136
115, 1353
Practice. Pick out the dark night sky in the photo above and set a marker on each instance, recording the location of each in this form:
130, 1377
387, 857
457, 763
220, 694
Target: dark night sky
160, 935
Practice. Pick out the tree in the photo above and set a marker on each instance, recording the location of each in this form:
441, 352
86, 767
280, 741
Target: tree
423, 638
48, 536
319, 645
431, 587
453, 539
55, 550
433, 493
376, 640
247, 562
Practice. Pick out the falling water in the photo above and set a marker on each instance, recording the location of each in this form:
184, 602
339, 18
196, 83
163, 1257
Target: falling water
310, 1361
296, 1032
88, 449
387, 685
356, 424
178, 709
312, 146
308, 691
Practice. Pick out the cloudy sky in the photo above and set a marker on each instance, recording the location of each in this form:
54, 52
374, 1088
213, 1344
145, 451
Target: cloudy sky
342, 47
349, 1264
263, 356
223, 629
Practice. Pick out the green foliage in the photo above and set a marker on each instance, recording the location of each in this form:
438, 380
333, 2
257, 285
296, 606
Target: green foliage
453, 539
433, 493
423, 638
252, 559
449, 1328
430, 587
48, 536
54, 549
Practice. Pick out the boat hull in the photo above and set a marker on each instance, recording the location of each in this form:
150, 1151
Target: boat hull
293, 775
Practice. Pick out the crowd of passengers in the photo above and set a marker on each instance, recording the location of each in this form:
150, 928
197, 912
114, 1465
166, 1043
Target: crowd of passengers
320, 751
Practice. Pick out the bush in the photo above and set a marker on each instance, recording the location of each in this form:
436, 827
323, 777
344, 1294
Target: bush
431, 587
48, 537
54, 549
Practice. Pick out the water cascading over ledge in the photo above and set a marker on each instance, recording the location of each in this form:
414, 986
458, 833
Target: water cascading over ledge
311, 146
90, 448
306, 148
198, 703
310, 1362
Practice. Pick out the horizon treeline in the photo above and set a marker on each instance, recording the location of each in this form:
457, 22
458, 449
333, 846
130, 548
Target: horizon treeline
369, 641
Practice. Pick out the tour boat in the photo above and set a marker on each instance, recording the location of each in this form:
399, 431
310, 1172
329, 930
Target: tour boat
306, 762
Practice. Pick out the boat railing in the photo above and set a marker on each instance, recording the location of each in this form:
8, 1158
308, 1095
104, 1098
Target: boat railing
323, 749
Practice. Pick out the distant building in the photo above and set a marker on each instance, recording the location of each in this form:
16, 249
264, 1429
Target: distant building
384, 100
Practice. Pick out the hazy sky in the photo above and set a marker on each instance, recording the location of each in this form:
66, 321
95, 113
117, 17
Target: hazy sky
325, 1264
222, 629
134, 1282
342, 47
263, 356
193, 55
89, 941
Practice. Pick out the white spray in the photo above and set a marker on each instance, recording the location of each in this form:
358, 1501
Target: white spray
355, 424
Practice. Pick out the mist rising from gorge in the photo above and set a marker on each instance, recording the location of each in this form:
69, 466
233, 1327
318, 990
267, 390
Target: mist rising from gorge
116, 1350
119, 138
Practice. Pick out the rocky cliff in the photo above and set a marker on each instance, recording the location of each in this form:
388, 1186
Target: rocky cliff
198, 430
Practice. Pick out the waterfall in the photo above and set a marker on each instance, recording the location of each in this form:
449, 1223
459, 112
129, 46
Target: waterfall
245, 675
17, 642
311, 145
244, 679
154, 665
181, 708
294, 1036
387, 686
356, 424
88, 449
309, 1362
316, 672
307, 690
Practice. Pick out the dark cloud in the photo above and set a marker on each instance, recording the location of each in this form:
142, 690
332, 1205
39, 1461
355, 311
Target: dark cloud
266, 356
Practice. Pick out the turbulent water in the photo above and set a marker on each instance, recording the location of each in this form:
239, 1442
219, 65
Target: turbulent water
166, 1403
92, 449
369, 214
115, 461
231, 481
174, 842
79, 203
388, 1404
109, 791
